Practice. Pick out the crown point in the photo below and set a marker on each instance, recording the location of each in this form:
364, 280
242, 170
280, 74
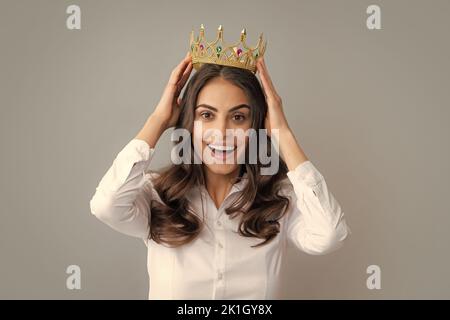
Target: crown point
243, 56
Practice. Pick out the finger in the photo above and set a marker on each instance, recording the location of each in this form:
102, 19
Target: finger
172, 88
186, 75
268, 84
259, 71
183, 80
179, 69
264, 81
265, 73
263, 87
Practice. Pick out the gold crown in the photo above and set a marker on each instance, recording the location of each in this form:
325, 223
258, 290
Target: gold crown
236, 55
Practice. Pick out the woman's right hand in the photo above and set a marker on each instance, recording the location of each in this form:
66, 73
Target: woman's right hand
168, 108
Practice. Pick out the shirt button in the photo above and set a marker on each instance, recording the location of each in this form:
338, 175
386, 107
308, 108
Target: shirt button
220, 245
220, 275
219, 223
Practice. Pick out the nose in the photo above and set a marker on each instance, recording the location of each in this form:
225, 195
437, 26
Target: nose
222, 126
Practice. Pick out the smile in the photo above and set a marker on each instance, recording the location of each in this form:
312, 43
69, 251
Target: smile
221, 148
221, 152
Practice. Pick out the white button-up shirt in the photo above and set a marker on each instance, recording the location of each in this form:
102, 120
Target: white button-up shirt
219, 263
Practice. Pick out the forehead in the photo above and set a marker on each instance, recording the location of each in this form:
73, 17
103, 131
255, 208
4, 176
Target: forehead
221, 94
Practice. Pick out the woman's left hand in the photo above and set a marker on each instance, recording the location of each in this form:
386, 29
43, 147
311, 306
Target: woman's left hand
275, 118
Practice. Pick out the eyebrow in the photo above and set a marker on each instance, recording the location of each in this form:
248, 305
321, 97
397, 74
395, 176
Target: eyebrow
215, 109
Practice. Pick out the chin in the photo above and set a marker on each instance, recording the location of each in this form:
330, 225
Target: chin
222, 169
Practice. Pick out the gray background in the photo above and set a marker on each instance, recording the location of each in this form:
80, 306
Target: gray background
370, 109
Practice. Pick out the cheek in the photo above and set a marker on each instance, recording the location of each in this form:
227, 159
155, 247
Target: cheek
198, 142
198, 131
197, 134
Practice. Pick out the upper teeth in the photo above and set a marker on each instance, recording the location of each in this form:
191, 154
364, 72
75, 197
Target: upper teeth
221, 148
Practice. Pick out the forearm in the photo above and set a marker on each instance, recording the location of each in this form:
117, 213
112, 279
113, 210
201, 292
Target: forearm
152, 130
290, 150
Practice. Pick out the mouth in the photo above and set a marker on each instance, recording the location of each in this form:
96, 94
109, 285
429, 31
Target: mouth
221, 152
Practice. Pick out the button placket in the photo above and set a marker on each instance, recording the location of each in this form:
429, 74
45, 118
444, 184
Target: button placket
220, 252
218, 216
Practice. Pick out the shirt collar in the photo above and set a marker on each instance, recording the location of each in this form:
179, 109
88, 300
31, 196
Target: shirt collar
238, 186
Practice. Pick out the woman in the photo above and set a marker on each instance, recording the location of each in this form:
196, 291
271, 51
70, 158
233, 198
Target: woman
219, 229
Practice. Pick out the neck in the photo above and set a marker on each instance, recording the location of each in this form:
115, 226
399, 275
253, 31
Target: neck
219, 185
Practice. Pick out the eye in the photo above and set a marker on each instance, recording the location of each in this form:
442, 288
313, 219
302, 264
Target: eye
239, 117
206, 115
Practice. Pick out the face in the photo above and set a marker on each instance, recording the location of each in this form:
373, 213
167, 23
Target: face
221, 105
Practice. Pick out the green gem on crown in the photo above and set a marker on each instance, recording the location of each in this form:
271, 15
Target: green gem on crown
219, 50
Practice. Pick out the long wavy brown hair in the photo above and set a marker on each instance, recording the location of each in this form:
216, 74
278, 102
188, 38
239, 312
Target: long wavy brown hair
173, 222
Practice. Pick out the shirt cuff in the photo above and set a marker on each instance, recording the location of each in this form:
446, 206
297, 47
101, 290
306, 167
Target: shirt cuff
306, 172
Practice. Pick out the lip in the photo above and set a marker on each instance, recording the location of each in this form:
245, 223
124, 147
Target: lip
221, 155
221, 147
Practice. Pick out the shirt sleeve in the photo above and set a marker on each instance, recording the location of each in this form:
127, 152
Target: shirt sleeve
316, 223
122, 197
